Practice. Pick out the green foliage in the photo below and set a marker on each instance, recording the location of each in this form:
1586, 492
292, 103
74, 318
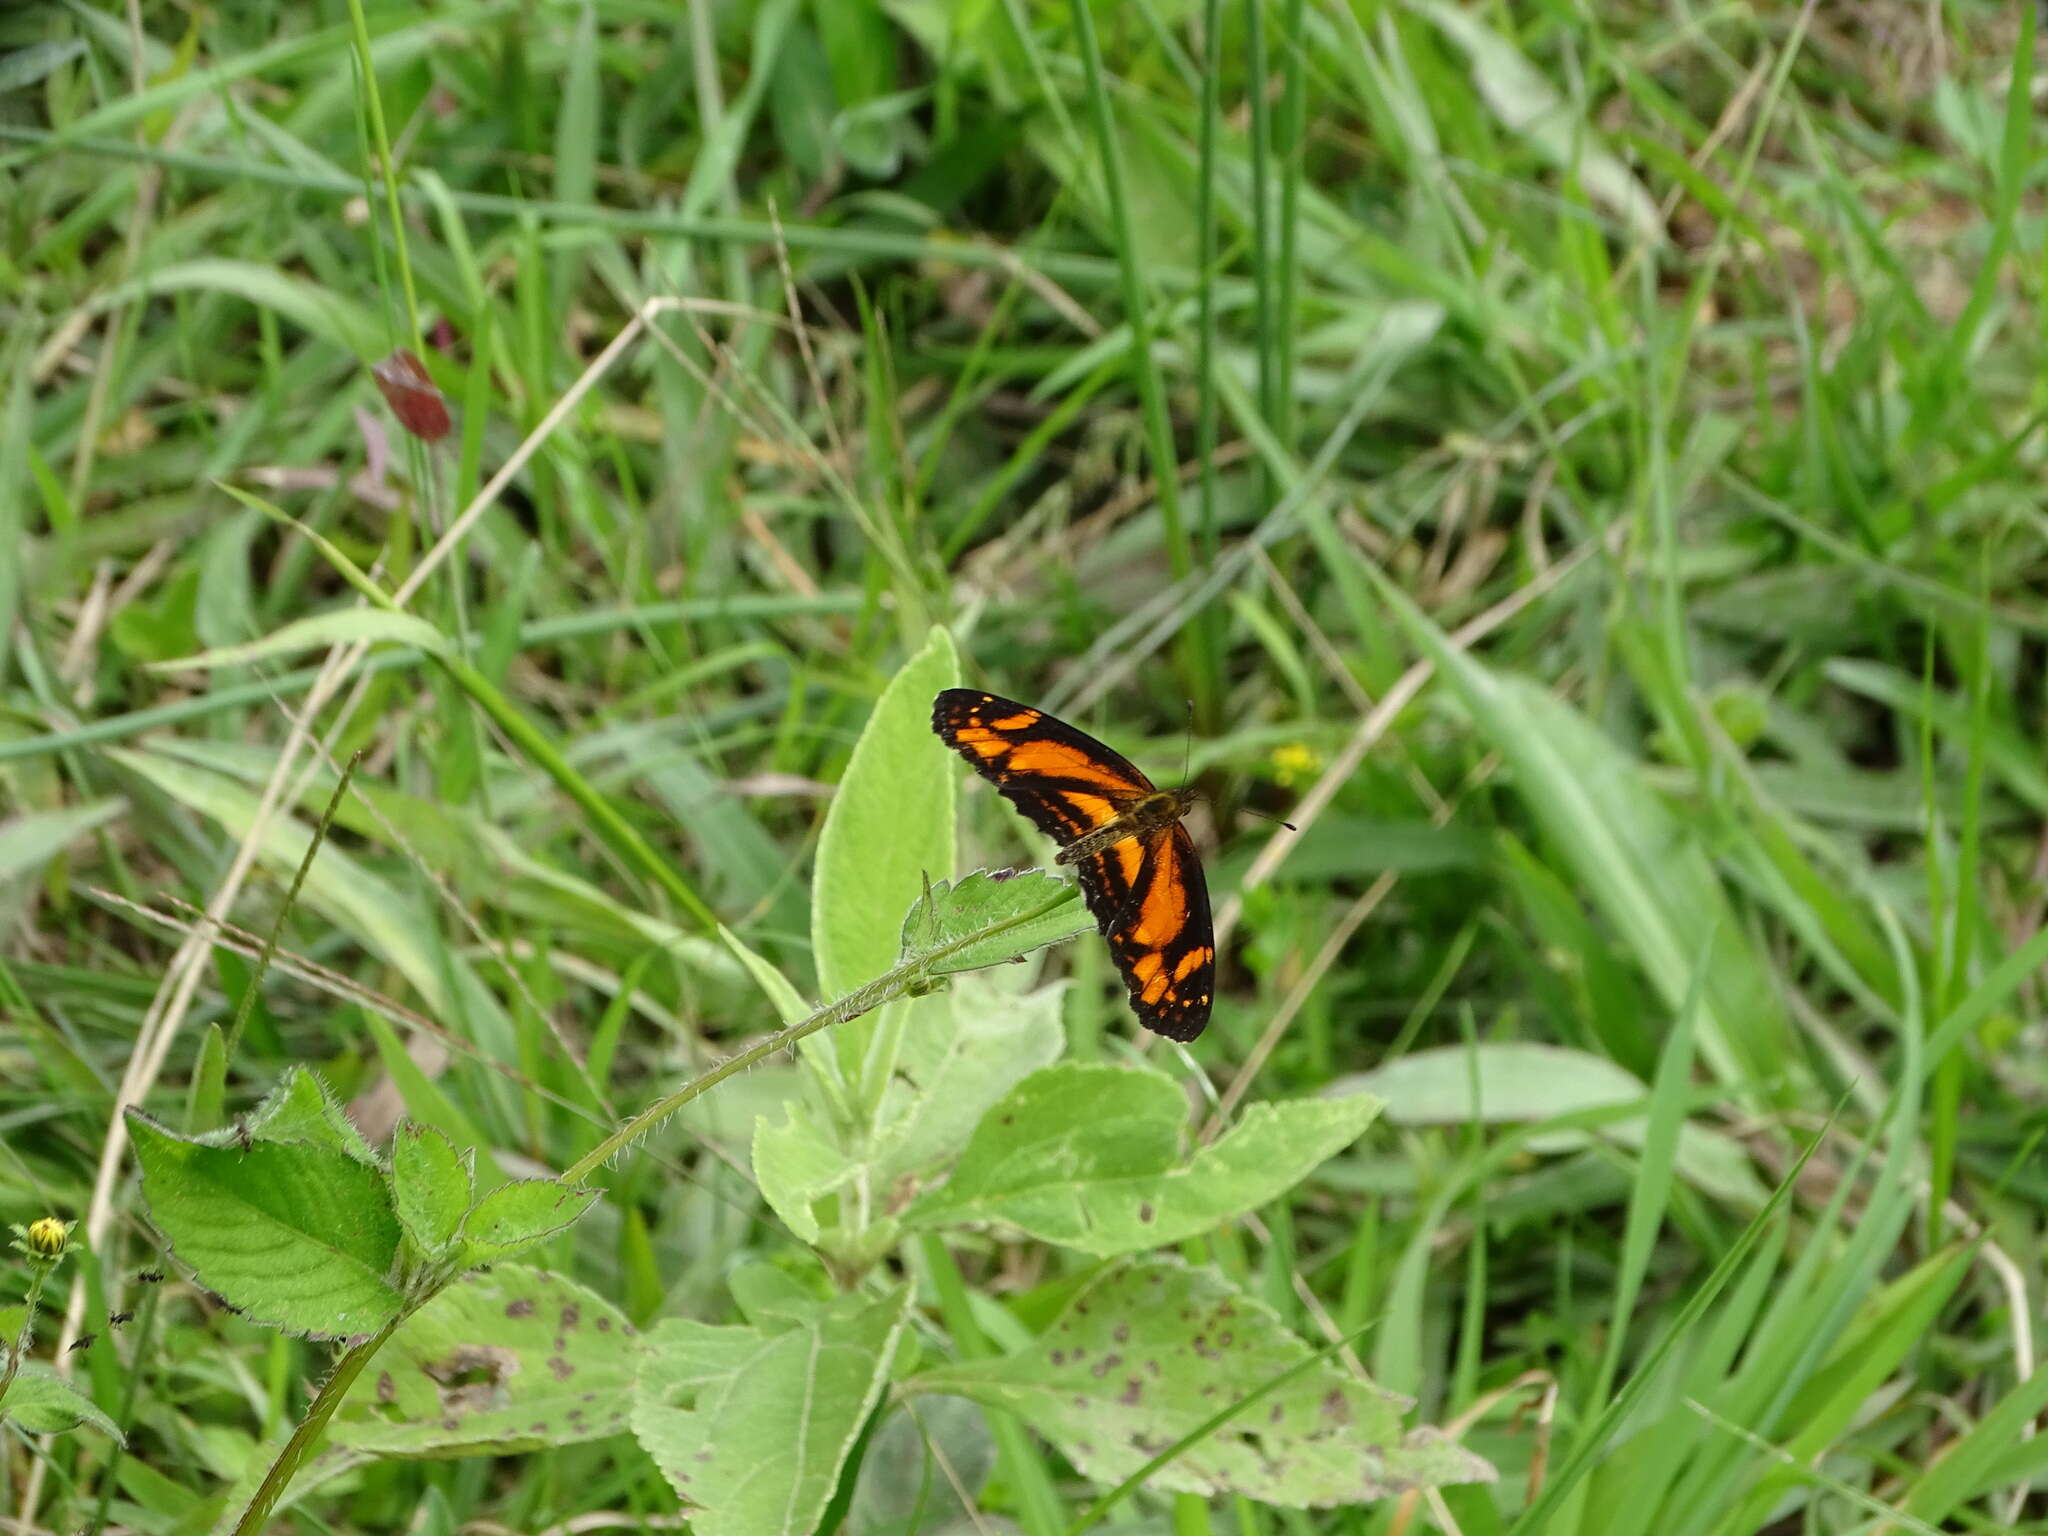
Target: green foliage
1088, 1157
296, 1235
1581, 470
1144, 1354
496, 1364
752, 1424
953, 908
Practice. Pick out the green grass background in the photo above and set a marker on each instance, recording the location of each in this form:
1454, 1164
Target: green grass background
1580, 462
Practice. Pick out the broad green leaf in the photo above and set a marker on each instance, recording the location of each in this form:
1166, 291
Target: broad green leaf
317, 310
344, 626
509, 1361
300, 1109
951, 910
972, 1047
30, 841
950, 1077
1088, 1156
752, 1425
798, 1161
513, 1217
1147, 1351
39, 1402
917, 1466
1509, 1081
431, 1185
889, 829
300, 1237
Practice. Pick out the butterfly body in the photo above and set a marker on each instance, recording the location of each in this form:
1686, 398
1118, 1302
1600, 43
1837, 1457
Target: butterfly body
1159, 809
1135, 862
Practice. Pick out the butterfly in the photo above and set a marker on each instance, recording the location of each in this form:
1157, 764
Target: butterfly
1136, 863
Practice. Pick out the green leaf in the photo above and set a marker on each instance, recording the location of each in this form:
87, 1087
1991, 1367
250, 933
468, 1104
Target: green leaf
798, 1161
1509, 1081
513, 1217
431, 1185
39, 1402
299, 1237
890, 826
1147, 1351
1088, 1156
344, 626
514, 1360
300, 1109
949, 1078
752, 1425
951, 910
30, 841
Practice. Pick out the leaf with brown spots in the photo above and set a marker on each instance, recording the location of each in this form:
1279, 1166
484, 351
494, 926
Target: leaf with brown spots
1088, 1156
1148, 1351
489, 1367
752, 1425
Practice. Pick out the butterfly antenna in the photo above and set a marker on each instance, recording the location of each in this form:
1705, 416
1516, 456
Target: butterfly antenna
1290, 826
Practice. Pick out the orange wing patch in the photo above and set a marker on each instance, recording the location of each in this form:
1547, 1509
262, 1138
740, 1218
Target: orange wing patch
1145, 890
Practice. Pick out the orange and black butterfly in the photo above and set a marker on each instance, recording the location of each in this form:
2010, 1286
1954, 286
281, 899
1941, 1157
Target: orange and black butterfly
1137, 865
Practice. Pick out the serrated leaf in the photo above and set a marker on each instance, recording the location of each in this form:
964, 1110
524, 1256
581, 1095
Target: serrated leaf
514, 1360
344, 626
513, 1217
300, 1108
431, 1185
1088, 1156
752, 1426
39, 1402
952, 910
299, 1237
873, 858
1148, 1351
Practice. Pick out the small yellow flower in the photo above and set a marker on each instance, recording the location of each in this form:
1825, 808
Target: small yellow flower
45, 1238
1292, 762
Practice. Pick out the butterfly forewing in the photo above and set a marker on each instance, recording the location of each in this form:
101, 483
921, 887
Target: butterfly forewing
1145, 891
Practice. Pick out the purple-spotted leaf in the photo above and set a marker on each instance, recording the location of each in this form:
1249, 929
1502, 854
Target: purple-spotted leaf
513, 1360
514, 1217
431, 1183
300, 1237
752, 1425
1088, 1156
1147, 1352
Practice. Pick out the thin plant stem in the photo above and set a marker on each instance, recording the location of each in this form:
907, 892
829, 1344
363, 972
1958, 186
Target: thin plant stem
885, 988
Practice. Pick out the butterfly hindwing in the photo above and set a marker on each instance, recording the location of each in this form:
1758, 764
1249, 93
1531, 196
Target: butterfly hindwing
1145, 891
1159, 933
